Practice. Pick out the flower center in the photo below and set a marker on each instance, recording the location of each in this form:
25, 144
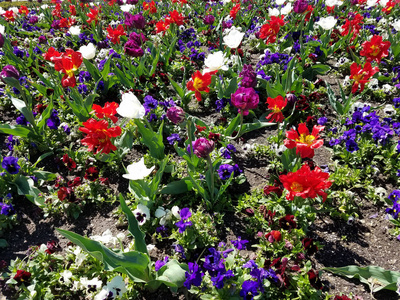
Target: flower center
197, 83
276, 109
306, 139
296, 187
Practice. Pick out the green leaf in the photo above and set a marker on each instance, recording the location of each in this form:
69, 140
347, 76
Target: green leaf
3, 243
375, 277
133, 227
92, 70
21, 106
173, 275
336, 105
178, 187
177, 88
132, 263
45, 115
154, 141
247, 127
233, 125
44, 175
25, 186
232, 87
17, 130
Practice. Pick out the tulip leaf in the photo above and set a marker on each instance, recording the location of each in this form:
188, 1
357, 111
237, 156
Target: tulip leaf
25, 186
17, 130
247, 127
153, 140
133, 227
234, 124
21, 106
132, 263
375, 277
178, 187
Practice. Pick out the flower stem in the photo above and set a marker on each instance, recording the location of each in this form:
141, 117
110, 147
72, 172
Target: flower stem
210, 168
239, 131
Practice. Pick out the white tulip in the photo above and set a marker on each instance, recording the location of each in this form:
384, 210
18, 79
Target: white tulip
215, 61
327, 23
233, 38
88, 52
74, 30
396, 25
138, 170
273, 12
131, 107
2, 28
287, 9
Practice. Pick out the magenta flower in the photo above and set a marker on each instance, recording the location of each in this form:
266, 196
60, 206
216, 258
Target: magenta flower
300, 6
203, 147
245, 99
176, 114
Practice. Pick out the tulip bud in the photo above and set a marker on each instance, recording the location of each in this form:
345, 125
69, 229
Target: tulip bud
292, 99
176, 114
300, 6
203, 147
209, 19
9, 71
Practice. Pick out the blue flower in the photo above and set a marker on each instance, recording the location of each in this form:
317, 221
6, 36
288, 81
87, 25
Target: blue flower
351, 146
160, 263
249, 290
6, 209
149, 103
322, 120
239, 243
194, 276
10, 164
225, 171
218, 280
173, 138
214, 262
54, 121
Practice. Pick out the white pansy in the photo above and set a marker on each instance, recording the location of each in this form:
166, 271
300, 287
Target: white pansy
233, 38
131, 107
44, 6
396, 25
80, 256
66, 276
341, 61
142, 213
166, 217
2, 11
14, 10
160, 212
273, 12
106, 238
88, 52
373, 84
75, 30
116, 286
150, 247
94, 283
287, 9
387, 88
175, 211
126, 7
381, 192
389, 110
279, 149
215, 61
138, 170
121, 236
327, 23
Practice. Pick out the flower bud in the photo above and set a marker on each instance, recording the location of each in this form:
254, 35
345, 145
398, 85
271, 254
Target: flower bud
9, 71
292, 99
209, 20
300, 6
203, 147
176, 114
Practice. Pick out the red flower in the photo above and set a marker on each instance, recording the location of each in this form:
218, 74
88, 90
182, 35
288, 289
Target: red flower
23, 10
115, 34
342, 297
68, 63
199, 83
389, 6
108, 111
375, 49
268, 189
314, 280
22, 276
50, 54
276, 105
176, 17
361, 75
305, 183
98, 137
162, 26
66, 193
9, 16
352, 26
93, 15
304, 142
150, 6
72, 10
234, 11
68, 162
274, 236
92, 173
287, 222
75, 182
270, 30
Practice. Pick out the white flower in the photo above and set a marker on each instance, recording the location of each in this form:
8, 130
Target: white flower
106, 238
44, 6
88, 52
66, 276
75, 30
116, 286
150, 247
2, 11
92, 283
327, 23
142, 213
287, 9
273, 12
396, 25
387, 88
373, 84
163, 214
131, 107
138, 170
2, 28
215, 61
381, 192
233, 38
80, 256
175, 211
279, 149
341, 61
333, 2
14, 10
371, 3
280, 2
126, 7
160, 212
389, 110
383, 2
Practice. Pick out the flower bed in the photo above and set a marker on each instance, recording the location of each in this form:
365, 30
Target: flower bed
206, 150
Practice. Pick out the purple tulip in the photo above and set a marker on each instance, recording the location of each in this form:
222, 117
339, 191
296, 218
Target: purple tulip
9, 71
42, 39
249, 77
245, 99
300, 6
133, 49
203, 147
209, 19
292, 99
138, 21
133, 2
176, 114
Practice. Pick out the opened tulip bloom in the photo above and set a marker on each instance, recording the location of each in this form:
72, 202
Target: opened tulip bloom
305, 183
375, 49
245, 99
303, 141
199, 83
138, 170
276, 105
361, 75
270, 30
131, 107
